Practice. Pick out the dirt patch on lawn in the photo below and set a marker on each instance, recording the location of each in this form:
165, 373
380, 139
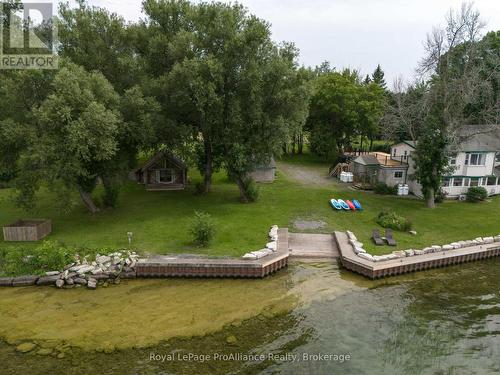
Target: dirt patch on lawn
306, 175
308, 224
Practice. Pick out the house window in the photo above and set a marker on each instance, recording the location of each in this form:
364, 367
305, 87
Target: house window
394, 152
398, 174
492, 181
457, 181
406, 155
474, 182
453, 160
165, 176
497, 158
475, 159
467, 182
447, 182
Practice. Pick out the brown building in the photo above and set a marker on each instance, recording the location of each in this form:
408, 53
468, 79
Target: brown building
163, 171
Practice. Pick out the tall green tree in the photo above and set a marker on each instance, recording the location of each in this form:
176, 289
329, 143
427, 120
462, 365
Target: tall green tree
76, 136
96, 39
378, 77
459, 79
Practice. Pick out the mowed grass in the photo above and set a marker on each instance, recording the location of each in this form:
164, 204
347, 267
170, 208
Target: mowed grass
160, 221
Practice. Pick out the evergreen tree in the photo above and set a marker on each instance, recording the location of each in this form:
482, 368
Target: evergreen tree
378, 77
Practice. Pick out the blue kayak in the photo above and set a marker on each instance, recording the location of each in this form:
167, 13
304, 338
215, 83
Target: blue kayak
357, 204
344, 205
335, 204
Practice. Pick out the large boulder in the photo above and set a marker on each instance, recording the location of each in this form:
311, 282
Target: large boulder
59, 283
249, 256
497, 238
273, 245
488, 240
92, 283
80, 281
399, 254
366, 256
448, 247
409, 252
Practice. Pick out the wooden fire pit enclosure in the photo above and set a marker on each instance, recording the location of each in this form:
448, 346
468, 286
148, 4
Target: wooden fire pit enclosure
27, 230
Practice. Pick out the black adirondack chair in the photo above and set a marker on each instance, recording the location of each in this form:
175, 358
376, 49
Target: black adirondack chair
376, 238
389, 238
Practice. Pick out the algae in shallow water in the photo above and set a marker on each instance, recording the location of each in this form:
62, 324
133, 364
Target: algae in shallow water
138, 313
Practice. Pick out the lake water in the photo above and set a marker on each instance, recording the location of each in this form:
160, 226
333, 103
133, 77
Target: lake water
309, 319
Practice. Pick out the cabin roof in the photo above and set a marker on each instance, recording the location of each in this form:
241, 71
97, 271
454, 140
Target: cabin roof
163, 153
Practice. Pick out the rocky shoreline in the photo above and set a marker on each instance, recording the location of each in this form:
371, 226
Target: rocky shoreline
104, 270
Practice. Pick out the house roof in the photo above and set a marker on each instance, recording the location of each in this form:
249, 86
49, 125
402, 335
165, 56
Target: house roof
479, 138
367, 160
163, 153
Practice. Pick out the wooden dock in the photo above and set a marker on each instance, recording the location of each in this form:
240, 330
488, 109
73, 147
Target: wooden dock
177, 266
375, 270
312, 246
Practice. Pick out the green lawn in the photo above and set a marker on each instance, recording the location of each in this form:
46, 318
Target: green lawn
160, 220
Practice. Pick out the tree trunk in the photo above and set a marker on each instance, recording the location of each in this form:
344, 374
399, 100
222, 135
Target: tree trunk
208, 170
430, 199
294, 143
301, 144
371, 144
87, 200
285, 148
243, 193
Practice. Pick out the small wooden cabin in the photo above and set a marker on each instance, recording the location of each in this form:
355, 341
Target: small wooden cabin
163, 171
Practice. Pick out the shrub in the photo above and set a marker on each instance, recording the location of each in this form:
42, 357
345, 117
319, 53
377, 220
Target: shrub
440, 196
251, 189
202, 229
389, 219
384, 189
50, 256
110, 195
199, 188
477, 194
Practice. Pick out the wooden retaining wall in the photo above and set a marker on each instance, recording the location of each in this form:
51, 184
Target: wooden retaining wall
27, 230
209, 270
217, 268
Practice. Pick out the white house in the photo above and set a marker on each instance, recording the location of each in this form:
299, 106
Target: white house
477, 162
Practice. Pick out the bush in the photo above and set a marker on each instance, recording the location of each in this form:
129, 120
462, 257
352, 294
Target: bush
199, 188
440, 196
389, 219
476, 194
202, 229
251, 189
110, 195
50, 256
384, 189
